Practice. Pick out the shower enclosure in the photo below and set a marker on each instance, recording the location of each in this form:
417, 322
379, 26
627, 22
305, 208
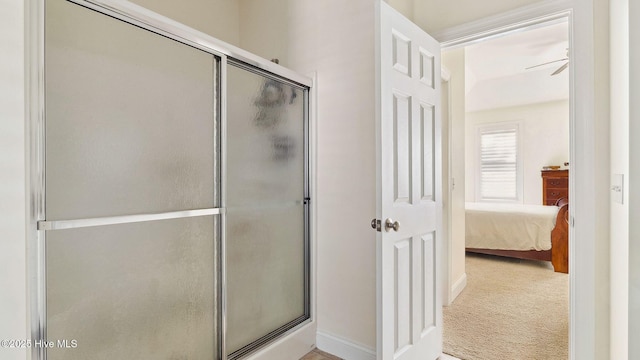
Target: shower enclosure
173, 199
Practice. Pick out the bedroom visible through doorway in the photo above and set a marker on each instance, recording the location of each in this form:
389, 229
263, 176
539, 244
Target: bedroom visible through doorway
509, 105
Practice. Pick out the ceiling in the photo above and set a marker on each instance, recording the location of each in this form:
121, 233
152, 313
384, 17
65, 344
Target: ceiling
496, 74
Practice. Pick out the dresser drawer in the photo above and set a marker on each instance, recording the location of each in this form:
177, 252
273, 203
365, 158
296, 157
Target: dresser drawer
555, 185
557, 182
556, 194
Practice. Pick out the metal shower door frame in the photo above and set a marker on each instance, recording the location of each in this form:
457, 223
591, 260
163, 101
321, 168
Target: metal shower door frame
38, 225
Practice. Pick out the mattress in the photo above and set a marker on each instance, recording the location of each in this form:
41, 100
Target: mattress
509, 226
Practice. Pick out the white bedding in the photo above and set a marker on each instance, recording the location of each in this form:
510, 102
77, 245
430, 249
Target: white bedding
509, 226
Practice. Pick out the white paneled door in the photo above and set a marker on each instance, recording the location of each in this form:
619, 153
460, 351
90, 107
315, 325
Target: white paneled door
409, 191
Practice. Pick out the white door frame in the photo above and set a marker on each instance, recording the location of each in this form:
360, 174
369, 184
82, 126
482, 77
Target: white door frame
583, 159
447, 187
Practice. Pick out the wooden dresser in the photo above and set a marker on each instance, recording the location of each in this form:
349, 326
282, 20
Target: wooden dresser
555, 185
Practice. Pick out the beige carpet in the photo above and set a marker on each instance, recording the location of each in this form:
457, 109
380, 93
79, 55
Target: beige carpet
510, 309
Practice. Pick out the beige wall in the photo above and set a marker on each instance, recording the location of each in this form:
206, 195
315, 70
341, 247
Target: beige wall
218, 18
404, 7
434, 16
335, 39
258, 26
453, 60
13, 189
314, 41
619, 38
265, 28
544, 135
437, 15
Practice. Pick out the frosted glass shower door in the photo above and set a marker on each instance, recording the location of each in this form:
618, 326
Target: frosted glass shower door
266, 200
132, 191
133, 291
129, 118
158, 238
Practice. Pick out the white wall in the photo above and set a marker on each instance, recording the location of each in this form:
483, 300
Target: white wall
619, 40
601, 179
634, 175
13, 221
446, 193
453, 60
544, 129
218, 18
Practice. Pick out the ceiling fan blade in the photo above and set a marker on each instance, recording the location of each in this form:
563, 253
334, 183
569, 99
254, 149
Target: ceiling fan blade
547, 63
560, 69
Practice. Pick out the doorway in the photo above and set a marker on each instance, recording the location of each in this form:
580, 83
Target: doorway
480, 106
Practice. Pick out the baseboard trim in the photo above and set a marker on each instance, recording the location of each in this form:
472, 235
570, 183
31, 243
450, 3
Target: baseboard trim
458, 286
290, 347
343, 348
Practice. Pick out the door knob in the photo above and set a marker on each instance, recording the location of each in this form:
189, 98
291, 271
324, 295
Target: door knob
390, 224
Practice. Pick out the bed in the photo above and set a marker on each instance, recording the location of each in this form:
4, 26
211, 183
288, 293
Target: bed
534, 232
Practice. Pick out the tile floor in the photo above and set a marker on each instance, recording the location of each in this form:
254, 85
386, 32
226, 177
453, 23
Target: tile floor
321, 355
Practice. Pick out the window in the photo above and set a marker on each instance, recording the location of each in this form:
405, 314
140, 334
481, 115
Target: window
498, 163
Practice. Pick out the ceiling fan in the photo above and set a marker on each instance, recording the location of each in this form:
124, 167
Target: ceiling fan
558, 70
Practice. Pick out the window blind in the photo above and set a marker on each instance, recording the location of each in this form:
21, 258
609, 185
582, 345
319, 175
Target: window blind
499, 164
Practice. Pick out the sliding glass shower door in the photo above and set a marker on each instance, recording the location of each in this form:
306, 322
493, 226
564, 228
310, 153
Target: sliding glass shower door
266, 200
132, 153
174, 227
